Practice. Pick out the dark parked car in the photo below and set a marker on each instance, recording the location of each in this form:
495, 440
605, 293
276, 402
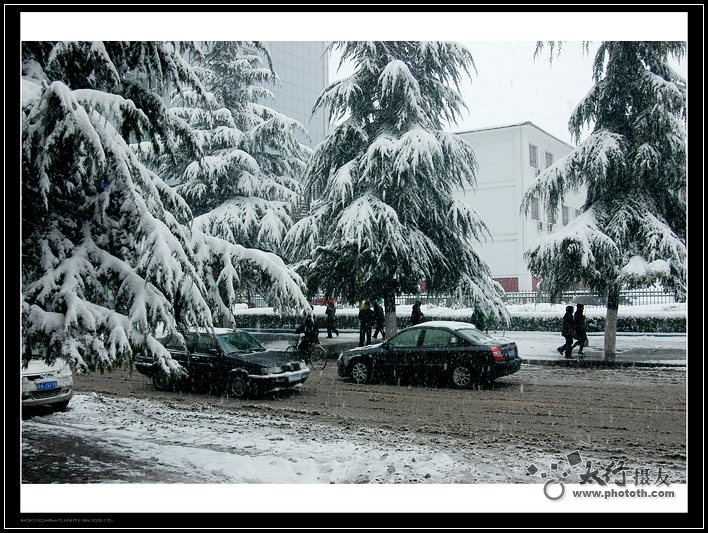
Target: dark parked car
230, 362
456, 353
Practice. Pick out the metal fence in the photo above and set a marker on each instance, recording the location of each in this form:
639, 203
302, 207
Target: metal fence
627, 297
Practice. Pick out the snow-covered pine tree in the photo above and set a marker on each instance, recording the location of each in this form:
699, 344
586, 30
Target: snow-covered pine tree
107, 254
245, 186
632, 232
385, 173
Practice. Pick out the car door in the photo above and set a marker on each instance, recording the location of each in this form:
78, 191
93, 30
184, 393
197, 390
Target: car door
439, 347
204, 360
180, 349
402, 352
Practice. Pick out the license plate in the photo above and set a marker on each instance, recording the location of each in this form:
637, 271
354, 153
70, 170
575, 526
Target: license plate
295, 377
46, 385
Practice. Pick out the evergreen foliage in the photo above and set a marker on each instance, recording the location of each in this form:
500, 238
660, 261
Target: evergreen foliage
109, 257
632, 232
246, 184
386, 217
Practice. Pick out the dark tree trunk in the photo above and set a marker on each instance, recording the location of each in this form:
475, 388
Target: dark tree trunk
613, 297
391, 322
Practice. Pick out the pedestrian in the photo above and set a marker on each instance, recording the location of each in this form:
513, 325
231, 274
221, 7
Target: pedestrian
366, 322
567, 332
580, 332
379, 319
416, 314
330, 311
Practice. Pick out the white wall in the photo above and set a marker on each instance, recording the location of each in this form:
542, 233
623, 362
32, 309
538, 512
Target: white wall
504, 174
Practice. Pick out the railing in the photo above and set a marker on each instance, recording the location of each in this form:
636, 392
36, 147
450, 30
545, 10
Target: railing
627, 297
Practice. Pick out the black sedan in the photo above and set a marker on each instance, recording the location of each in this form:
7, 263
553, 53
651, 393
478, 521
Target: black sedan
456, 353
227, 361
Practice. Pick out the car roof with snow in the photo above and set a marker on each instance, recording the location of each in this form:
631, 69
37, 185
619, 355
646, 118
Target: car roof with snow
217, 331
449, 324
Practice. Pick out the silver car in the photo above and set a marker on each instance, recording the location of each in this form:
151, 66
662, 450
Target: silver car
44, 384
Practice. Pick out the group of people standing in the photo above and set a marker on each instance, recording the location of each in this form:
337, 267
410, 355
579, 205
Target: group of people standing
370, 319
573, 328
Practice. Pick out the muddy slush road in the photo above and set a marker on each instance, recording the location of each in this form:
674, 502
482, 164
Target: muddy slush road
633, 414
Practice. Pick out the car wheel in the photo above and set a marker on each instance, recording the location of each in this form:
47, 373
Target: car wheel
461, 377
361, 372
238, 387
161, 381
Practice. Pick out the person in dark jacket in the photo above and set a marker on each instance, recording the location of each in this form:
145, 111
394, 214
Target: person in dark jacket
580, 332
367, 319
309, 331
416, 314
567, 332
331, 326
379, 319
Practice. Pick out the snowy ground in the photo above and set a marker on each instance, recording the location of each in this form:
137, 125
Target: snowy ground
530, 309
173, 456
210, 446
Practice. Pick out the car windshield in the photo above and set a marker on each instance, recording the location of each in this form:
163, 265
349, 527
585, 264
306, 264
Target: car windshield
474, 335
239, 341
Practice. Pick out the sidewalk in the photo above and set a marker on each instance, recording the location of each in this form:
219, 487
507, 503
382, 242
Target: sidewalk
632, 349
540, 347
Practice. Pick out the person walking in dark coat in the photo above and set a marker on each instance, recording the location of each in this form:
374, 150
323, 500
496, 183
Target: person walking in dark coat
567, 332
379, 319
367, 320
580, 332
416, 314
331, 326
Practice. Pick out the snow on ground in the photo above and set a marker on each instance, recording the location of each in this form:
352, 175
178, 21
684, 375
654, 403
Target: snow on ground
214, 461
529, 309
207, 445
199, 458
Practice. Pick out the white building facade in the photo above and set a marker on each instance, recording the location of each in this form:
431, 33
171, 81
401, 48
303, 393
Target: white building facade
509, 159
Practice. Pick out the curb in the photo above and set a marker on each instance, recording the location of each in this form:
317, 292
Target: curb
580, 363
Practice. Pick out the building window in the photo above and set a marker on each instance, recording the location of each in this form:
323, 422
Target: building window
551, 217
549, 159
565, 215
535, 211
533, 155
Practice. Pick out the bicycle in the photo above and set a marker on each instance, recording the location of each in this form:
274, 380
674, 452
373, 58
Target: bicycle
315, 356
